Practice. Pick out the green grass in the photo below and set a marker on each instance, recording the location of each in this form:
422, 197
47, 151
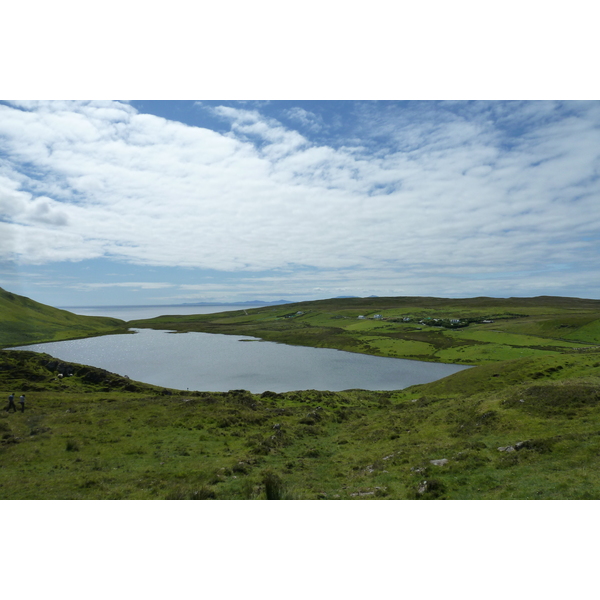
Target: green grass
96, 435
24, 321
521, 326
535, 394
589, 332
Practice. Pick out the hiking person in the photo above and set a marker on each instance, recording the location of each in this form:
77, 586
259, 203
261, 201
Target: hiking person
11, 403
22, 402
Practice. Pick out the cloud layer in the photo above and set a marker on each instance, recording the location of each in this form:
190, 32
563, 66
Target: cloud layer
442, 191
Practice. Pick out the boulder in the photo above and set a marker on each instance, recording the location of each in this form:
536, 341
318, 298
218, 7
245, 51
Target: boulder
506, 449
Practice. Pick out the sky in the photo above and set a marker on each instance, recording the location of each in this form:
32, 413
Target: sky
159, 202
477, 183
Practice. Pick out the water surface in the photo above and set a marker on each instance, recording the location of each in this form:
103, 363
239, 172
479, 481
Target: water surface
219, 363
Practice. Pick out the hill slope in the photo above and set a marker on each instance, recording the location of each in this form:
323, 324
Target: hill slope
472, 331
522, 428
24, 321
528, 428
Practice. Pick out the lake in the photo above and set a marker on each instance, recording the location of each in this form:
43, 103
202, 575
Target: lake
219, 363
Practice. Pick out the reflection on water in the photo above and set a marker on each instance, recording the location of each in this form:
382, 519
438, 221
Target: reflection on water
215, 362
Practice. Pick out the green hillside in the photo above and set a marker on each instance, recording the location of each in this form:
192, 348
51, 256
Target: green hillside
471, 331
24, 321
522, 429
523, 424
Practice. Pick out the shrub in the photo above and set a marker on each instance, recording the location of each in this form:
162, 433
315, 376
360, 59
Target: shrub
430, 489
249, 489
182, 493
274, 487
72, 446
382, 492
312, 453
204, 493
241, 467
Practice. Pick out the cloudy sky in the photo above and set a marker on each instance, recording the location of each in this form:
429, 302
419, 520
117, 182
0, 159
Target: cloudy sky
157, 202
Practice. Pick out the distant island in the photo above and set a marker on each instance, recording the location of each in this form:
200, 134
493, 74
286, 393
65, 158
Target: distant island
263, 302
245, 303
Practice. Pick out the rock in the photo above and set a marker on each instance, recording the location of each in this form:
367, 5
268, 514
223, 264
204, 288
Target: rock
440, 462
516, 446
431, 488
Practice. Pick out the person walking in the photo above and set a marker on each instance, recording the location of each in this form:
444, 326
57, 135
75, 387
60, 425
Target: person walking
22, 402
11, 403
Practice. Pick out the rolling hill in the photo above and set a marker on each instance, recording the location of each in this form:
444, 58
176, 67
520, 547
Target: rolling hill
524, 424
24, 321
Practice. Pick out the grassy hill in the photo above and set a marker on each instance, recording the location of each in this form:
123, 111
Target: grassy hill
24, 321
525, 423
472, 331
521, 429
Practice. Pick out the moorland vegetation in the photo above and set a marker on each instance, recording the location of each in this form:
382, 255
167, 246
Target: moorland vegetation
525, 423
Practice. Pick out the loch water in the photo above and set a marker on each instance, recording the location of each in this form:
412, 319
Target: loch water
219, 363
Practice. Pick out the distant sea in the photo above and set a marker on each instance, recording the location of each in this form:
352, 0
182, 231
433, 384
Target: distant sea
131, 313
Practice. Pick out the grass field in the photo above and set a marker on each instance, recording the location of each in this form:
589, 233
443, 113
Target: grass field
97, 435
24, 321
519, 327
524, 424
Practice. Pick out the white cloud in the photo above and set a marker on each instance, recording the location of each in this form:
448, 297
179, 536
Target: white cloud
440, 195
306, 118
138, 285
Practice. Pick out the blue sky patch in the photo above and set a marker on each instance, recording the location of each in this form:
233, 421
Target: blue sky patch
149, 202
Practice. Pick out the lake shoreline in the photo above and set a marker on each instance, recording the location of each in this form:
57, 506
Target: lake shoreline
217, 363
